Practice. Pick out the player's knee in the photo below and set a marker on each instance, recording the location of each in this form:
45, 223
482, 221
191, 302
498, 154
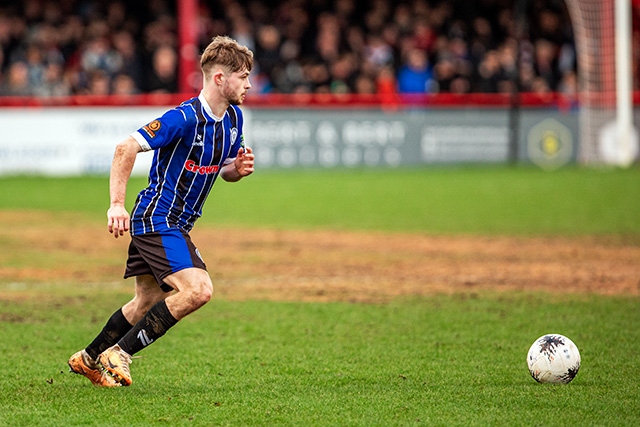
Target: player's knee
201, 294
206, 293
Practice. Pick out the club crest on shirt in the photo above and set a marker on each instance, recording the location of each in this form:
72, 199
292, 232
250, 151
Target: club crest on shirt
152, 128
234, 135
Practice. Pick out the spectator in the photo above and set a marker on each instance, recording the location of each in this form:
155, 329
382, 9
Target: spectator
163, 75
242, 32
267, 50
17, 80
318, 77
568, 89
386, 81
569, 85
53, 82
161, 32
460, 85
445, 73
70, 36
545, 62
300, 45
508, 58
99, 83
490, 73
328, 37
416, 76
131, 63
35, 64
365, 85
342, 74
123, 84
377, 51
527, 77
423, 36
99, 55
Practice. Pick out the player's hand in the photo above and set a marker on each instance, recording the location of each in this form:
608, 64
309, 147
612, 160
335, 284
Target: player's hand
245, 161
118, 220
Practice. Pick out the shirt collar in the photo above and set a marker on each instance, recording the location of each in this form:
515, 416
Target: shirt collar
207, 108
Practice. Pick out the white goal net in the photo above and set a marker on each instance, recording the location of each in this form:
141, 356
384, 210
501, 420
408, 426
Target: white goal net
594, 23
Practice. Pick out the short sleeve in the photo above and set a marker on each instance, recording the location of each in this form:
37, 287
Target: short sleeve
161, 132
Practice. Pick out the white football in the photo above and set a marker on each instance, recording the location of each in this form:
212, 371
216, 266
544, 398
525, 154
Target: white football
553, 358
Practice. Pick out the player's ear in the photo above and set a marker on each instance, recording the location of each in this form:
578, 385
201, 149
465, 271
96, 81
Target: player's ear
217, 77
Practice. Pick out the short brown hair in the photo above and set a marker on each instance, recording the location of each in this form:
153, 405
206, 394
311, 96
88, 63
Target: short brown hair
228, 53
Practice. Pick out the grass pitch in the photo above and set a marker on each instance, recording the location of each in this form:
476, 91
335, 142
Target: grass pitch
439, 360
445, 360
467, 200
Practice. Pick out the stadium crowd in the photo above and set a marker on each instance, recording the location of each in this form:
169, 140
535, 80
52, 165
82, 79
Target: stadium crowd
51, 48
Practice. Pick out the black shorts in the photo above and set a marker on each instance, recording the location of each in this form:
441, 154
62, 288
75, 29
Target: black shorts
161, 254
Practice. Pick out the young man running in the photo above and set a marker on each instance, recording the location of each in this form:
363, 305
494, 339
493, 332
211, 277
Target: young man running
193, 144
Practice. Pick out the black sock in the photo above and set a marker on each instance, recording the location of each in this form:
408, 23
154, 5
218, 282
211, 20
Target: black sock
152, 326
117, 326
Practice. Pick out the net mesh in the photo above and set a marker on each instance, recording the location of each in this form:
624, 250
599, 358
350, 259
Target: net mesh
594, 27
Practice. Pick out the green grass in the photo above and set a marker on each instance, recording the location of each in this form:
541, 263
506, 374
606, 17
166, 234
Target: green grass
471, 200
467, 200
455, 360
443, 361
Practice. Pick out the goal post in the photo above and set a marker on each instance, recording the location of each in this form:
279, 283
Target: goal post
624, 82
602, 31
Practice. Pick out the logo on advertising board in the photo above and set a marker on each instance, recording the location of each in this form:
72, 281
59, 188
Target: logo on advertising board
550, 144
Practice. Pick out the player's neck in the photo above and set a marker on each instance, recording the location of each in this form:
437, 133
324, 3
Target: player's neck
219, 109
217, 103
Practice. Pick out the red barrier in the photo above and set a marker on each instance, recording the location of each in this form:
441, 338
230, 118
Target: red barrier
315, 100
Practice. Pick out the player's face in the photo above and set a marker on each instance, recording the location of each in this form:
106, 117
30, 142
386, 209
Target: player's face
235, 87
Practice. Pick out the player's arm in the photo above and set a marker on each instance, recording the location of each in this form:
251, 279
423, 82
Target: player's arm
240, 167
121, 167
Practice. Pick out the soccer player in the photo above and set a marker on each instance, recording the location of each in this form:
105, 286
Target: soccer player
193, 144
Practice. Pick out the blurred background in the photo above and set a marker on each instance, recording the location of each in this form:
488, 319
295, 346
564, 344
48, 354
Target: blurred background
542, 54
337, 46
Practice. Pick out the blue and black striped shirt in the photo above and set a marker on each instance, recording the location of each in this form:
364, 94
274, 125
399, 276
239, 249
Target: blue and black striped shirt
190, 147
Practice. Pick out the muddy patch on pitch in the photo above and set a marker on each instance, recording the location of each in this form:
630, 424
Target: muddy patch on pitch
329, 265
